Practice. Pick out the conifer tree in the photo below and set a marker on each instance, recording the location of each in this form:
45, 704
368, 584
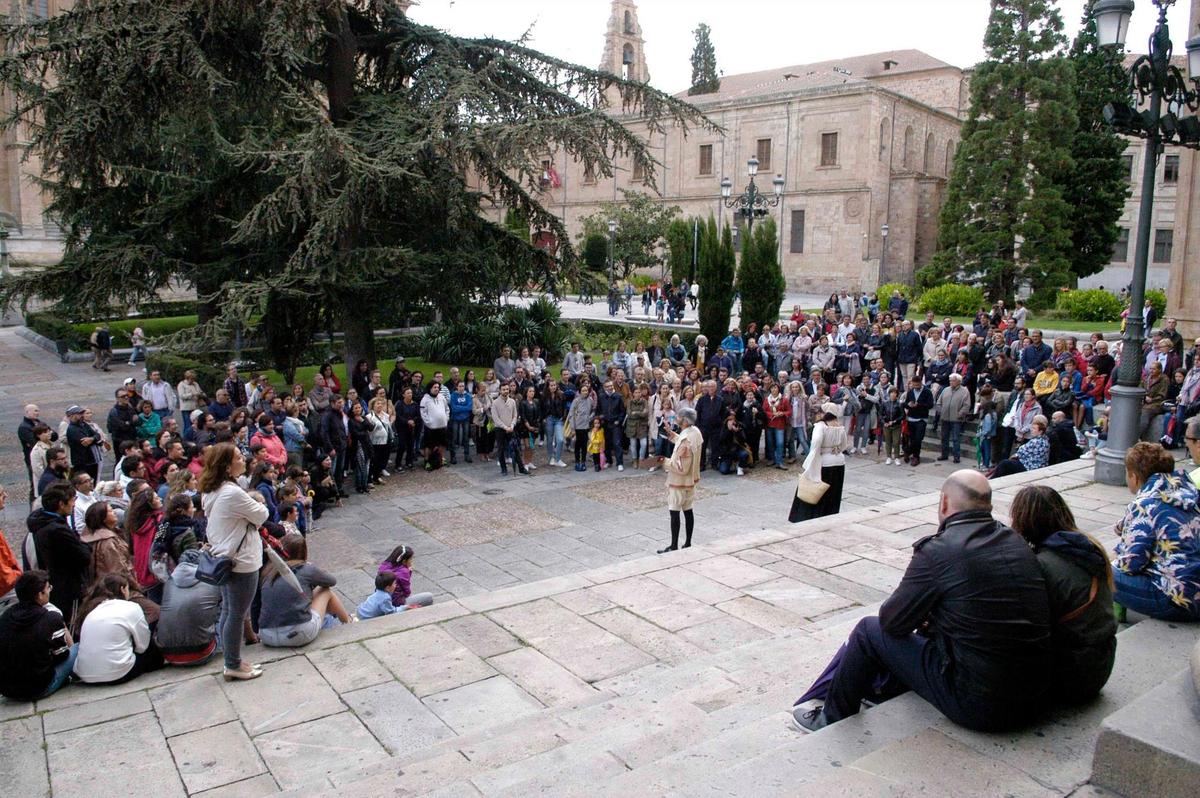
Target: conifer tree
313, 147
715, 278
1097, 185
760, 280
704, 63
1005, 218
679, 249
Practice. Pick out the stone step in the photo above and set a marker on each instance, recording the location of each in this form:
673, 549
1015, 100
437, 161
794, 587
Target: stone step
1151, 746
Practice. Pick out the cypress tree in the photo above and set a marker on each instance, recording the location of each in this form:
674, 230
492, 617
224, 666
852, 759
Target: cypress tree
679, 249
704, 63
1098, 185
760, 278
717, 265
1005, 218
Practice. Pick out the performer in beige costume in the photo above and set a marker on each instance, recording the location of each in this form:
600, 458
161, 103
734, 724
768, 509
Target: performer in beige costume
683, 472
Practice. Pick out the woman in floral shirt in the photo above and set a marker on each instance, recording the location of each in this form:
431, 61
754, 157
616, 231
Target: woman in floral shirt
1157, 568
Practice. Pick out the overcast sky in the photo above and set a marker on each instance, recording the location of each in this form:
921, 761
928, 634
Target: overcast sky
751, 36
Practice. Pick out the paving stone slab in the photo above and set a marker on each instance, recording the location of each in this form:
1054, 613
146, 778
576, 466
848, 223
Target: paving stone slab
256, 787
10, 709
483, 637
23, 763
872, 574
349, 667
396, 717
798, 598
428, 660
808, 551
584, 602
195, 704
760, 613
583, 648
215, 756
690, 583
658, 603
542, 677
723, 634
655, 641
523, 593
291, 691
305, 753
95, 712
481, 704
132, 750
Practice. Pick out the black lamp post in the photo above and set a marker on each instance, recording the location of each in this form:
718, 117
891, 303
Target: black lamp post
612, 231
752, 204
1153, 81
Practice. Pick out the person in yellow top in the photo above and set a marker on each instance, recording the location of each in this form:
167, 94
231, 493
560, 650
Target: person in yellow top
683, 472
596, 441
1046, 382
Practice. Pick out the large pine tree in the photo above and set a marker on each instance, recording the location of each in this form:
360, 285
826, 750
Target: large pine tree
715, 279
1005, 219
760, 280
1097, 185
705, 79
328, 149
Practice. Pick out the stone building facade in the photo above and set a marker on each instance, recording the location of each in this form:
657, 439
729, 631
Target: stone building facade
34, 238
860, 142
1183, 287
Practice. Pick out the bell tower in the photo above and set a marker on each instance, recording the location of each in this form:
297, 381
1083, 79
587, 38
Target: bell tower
624, 48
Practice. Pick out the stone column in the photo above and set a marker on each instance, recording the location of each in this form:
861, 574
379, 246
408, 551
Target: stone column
1183, 290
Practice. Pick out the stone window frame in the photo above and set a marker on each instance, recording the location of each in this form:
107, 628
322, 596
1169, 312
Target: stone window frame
837, 163
1121, 246
764, 165
1164, 245
712, 163
1171, 166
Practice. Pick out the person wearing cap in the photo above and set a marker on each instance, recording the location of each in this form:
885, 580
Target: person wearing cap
398, 380
81, 438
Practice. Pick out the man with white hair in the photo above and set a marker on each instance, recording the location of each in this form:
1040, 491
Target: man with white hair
683, 472
954, 404
965, 629
28, 439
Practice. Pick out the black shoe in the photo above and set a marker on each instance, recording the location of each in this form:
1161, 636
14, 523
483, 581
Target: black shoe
943, 457
957, 459
468, 459
809, 720
668, 548
343, 494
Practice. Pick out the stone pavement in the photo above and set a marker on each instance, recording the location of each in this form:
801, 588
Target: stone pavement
644, 676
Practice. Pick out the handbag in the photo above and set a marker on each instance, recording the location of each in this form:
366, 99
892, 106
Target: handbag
810, 491
216, 570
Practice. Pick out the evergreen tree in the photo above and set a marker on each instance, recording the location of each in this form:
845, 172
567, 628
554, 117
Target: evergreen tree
679, 249
642, 222
715, 278
595, 252
1005, 218
311, 146
704, 63
760, 277
1098, 184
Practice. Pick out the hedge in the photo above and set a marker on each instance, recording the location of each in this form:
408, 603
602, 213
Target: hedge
1091, 305
172, 368
594, 336
953, 299
58, 329
153, 328
884, 292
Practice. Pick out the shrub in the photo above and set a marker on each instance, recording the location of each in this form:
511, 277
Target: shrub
1158, 298
172, 368
953, 299
60, 330
884, 292
593, 336
1091, 305
595, 252
486, 329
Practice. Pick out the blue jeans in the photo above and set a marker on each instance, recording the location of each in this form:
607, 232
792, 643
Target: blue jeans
236, 597
798, 442
187, 421
62, 672
951, 438
460, 435
985, 452
1138, 592
554, 439
614, 443
729, 464
775, 439
639, 448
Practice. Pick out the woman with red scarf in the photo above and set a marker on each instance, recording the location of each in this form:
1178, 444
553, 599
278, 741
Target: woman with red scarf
141, 524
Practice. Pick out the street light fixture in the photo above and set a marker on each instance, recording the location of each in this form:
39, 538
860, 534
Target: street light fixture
612, 278
1153, 81
883, 231
752, 203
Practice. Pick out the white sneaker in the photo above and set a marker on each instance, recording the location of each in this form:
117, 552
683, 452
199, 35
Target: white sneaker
385, 473
888, 461
620, 468
651, 469
740, 472
531, 466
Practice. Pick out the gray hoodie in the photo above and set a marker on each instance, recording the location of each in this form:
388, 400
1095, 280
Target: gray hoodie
187, 622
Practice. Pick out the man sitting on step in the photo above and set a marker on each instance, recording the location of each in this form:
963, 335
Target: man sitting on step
967, 628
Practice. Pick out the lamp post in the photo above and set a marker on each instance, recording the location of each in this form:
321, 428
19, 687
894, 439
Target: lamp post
752, 203
612, 278
883, 231
1153, 81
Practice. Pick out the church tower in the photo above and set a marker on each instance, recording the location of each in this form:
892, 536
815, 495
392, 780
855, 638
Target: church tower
624, 49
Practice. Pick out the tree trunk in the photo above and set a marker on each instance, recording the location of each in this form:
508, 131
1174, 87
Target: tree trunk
207, 282
358, 327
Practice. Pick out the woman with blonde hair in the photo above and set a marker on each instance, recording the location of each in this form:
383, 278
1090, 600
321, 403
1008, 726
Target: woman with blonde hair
233, 521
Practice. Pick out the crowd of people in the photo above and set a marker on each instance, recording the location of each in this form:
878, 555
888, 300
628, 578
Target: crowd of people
246, 474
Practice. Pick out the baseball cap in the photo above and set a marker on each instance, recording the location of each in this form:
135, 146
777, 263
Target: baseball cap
129, 381
74, 410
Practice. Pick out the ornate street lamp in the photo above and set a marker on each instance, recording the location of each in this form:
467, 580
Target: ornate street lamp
1153, 81
752, 203
612, 230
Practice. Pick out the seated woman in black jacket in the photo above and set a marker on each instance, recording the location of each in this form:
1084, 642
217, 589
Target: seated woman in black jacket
733, 452
1079, 580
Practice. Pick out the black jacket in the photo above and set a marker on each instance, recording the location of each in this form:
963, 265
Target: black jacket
27, 438
81, 454
333, 431
60, 553
611, 407
33, 640
710, 413
924, 402
1063, 444
122, 424
977, 586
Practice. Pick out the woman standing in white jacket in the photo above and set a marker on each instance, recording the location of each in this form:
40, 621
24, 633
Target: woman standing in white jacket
233, 521
825, 463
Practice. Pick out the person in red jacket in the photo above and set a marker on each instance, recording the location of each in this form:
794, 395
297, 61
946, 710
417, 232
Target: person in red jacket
274, 451
779, 411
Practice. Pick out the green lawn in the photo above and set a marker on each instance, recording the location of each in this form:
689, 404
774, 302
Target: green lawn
152, 327
305, 375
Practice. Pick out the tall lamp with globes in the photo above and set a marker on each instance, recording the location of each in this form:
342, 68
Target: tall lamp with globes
1154, 84
751, 204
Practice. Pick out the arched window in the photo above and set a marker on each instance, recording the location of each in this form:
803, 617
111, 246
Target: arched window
908, 147
629, 22
928, 166
949, 158
627, 63
885, 133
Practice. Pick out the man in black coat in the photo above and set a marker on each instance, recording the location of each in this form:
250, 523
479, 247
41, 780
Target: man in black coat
611, 408
122, 419
965, 627
53, 547
710, 418
918, 401
28, 439
1063, 444
335, 439
80, 438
